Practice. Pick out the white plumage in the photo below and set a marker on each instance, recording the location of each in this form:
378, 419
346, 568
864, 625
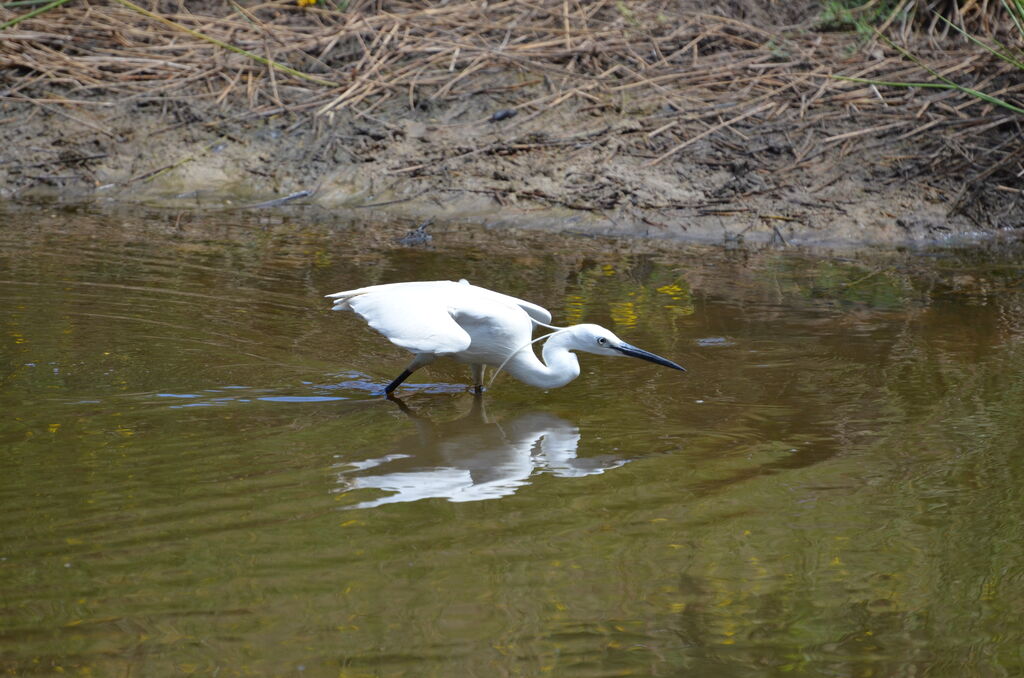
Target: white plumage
479, 327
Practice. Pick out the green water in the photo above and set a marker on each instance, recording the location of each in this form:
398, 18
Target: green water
198, 478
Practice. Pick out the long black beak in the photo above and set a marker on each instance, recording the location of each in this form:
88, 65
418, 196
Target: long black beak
634, 352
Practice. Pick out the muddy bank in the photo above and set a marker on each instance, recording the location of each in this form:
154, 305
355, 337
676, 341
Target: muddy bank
705, 128
543, 176
540, 175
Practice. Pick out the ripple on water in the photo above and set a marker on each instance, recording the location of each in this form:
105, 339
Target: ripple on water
194, 447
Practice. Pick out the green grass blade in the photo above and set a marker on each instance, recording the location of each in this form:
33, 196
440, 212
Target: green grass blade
990, 99
1015, 8
22, 3
29, 15
1003, 52
952, 85
937, 85
888, 83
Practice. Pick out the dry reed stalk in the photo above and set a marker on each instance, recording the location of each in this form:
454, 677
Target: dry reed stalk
715, 128
669, 70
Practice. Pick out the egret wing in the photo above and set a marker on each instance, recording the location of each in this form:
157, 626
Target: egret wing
445, 290
533, 310
430, 316
410, 317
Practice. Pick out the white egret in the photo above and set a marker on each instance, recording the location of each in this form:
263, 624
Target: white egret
479, 327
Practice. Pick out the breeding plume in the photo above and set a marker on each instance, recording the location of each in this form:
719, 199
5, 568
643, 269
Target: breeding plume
479, 327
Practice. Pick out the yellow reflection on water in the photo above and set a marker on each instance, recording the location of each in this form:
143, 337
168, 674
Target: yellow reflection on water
624, 313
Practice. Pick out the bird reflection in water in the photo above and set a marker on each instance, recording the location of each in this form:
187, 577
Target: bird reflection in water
472, 458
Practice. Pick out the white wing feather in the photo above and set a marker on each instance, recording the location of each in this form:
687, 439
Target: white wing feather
533, 310
449, 290
410, 319
421, 316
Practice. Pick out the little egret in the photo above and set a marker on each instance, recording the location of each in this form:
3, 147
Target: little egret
479, 327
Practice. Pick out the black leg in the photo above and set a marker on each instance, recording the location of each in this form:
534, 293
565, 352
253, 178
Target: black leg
478, 379
393, 385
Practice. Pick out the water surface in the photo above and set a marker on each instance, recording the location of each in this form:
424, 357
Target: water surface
198, 477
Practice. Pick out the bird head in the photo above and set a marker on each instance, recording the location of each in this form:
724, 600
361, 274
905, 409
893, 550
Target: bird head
600, 341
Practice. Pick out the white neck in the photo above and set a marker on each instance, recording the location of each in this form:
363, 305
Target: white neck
560, 365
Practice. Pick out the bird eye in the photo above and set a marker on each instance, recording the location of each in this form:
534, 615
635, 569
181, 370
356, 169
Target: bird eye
602, 341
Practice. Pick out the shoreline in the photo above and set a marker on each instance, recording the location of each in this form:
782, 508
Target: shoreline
583, 132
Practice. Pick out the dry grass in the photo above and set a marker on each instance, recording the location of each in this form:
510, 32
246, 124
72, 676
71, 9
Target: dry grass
916, 21
678, 76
